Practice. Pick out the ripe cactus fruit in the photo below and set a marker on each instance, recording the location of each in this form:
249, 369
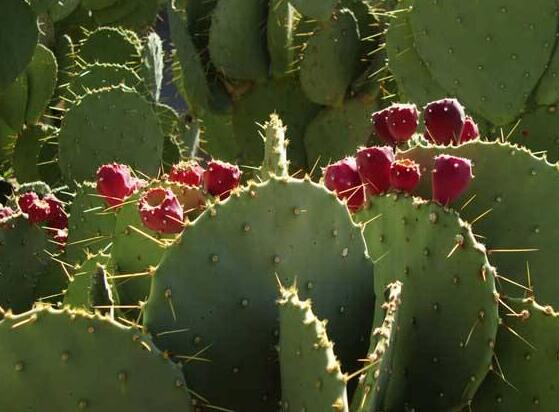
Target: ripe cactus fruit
404, 175
37, 210
450, 178
220, 178
5, 212
57, 219
402, 122
380, 126
373, 165
115, 183
342, 177
161, 211
470, 130
444, 121
187, 173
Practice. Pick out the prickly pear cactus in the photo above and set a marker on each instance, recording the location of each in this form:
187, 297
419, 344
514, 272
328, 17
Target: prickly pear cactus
523, 368
447, 281
292, 229
295, 66
311, 376
100, 363
520, 238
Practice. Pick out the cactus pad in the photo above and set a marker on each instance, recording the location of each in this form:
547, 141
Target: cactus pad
101, 364
447, 281
520, 236
538, 130
315, 9
26, 245
101, 75
377, 371
330, 59
311, 376
414, 80
491, 57
18, 37
285, 227
27, 151
525, 367
41, 81
90, 224
323, 140
111, 45
102, 126
237, 46
256, 106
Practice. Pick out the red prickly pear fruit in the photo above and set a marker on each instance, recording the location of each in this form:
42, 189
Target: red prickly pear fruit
37, 210
342, 177
450, 177
444, 121
58, 219
220, 178
404, 175
5, 212
115, 183
380, 126
402, 122
161, 211
373, 165
187, 173
470, 130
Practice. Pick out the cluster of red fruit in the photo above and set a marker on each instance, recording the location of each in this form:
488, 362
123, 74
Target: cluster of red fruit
45, 210
445, 123
374, 171
159, 207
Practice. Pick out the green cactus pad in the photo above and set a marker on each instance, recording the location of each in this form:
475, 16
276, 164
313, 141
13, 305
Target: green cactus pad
218, 138
13, 103
282, 23
78, 294
509, 186
114, 14
548, 88
330, 59
336, 132
237, 46
100, 75
143, 15
65, 56
311, 376
294, 229
61, 9
378, 367
41, 81
101, 128
275, 161
101, 364
279, 97
315, 9
152, 65
27, 151
18, 37
193, 74
134, 252
97, 4
525, 367
90, 225
447, 281
469, 51
111, 45
26, 245
414, 80
538, 130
